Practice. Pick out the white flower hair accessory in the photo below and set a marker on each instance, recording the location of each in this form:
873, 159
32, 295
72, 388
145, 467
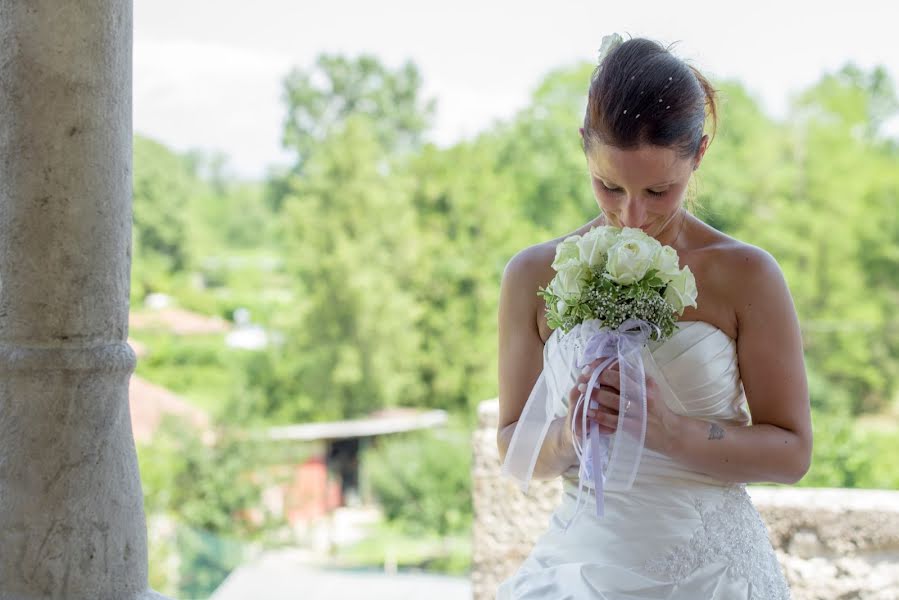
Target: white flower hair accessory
609, 43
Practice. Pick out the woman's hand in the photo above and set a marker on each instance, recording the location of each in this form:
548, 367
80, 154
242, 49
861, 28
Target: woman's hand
604, 406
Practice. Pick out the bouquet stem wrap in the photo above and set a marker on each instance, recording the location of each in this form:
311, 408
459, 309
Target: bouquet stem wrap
608, 466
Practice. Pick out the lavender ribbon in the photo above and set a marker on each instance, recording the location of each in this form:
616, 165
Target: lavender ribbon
606, 465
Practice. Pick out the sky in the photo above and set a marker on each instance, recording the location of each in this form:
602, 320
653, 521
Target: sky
208, 73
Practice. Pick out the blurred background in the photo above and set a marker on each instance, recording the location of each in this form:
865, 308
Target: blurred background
325, 197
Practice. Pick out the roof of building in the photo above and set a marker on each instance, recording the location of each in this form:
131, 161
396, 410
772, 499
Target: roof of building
149, 403
395, 420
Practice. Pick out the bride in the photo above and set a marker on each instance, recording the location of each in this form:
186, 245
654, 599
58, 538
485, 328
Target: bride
727, 398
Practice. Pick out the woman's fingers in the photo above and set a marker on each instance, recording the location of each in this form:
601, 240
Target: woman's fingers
600, 398
610, 377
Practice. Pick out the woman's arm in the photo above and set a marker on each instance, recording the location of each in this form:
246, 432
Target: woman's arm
777, 446
521, 360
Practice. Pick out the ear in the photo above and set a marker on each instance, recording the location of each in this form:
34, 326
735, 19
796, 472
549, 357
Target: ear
581, 131
703, 145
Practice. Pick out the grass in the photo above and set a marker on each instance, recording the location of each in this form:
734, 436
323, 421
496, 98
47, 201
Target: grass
388, 544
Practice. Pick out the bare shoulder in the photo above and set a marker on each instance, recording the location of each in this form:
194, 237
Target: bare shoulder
531, 264
525, 273
742, 278
731, 276
531, 269
749, 275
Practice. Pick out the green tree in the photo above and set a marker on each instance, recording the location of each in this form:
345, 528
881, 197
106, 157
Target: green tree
540, 151
423, 480
466, 218
163, 187
321, 99
350, 243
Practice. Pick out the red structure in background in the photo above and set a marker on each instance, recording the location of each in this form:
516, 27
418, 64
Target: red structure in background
311, 494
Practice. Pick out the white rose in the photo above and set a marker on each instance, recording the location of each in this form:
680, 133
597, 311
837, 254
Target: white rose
630, 259
594, 245
568, 283
567, 254
667, 263
681, 291
561, 305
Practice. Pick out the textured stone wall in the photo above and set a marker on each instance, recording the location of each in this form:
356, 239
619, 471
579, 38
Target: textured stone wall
832, 543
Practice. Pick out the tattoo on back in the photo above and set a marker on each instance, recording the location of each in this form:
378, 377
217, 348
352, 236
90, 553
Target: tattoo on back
716, 432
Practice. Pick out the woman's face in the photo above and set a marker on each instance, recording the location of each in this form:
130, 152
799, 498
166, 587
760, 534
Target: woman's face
642, 188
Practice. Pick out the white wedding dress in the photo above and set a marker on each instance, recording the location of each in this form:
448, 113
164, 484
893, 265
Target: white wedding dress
677, 533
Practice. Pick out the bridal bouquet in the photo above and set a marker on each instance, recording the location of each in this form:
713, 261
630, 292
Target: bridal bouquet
614, 290
613, 275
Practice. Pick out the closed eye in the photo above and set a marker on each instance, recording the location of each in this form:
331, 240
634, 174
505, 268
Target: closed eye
616, 190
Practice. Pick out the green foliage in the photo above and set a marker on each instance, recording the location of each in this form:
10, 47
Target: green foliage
320, 100
539, 152
163, 186
466, 231
351, 249
423, 481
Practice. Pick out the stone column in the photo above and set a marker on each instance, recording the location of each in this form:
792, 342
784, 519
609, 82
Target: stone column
71, 509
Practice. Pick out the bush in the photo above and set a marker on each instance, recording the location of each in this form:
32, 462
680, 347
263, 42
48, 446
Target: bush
208, 492
423, 480
844, 453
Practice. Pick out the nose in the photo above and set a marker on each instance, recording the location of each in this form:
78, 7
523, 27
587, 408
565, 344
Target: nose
633, 213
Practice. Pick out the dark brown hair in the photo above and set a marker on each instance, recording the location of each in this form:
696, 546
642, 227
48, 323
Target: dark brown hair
641, 94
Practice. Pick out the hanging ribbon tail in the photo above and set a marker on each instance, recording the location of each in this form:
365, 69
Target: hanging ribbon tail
630, 436
615, 470
597, 474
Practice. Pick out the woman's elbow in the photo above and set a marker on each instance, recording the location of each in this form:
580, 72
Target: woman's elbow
801, 461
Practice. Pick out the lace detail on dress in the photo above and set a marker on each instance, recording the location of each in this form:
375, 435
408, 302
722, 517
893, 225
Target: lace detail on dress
732, 531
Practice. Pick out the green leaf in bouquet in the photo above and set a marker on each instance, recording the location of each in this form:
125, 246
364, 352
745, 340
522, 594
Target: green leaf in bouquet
651, 279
